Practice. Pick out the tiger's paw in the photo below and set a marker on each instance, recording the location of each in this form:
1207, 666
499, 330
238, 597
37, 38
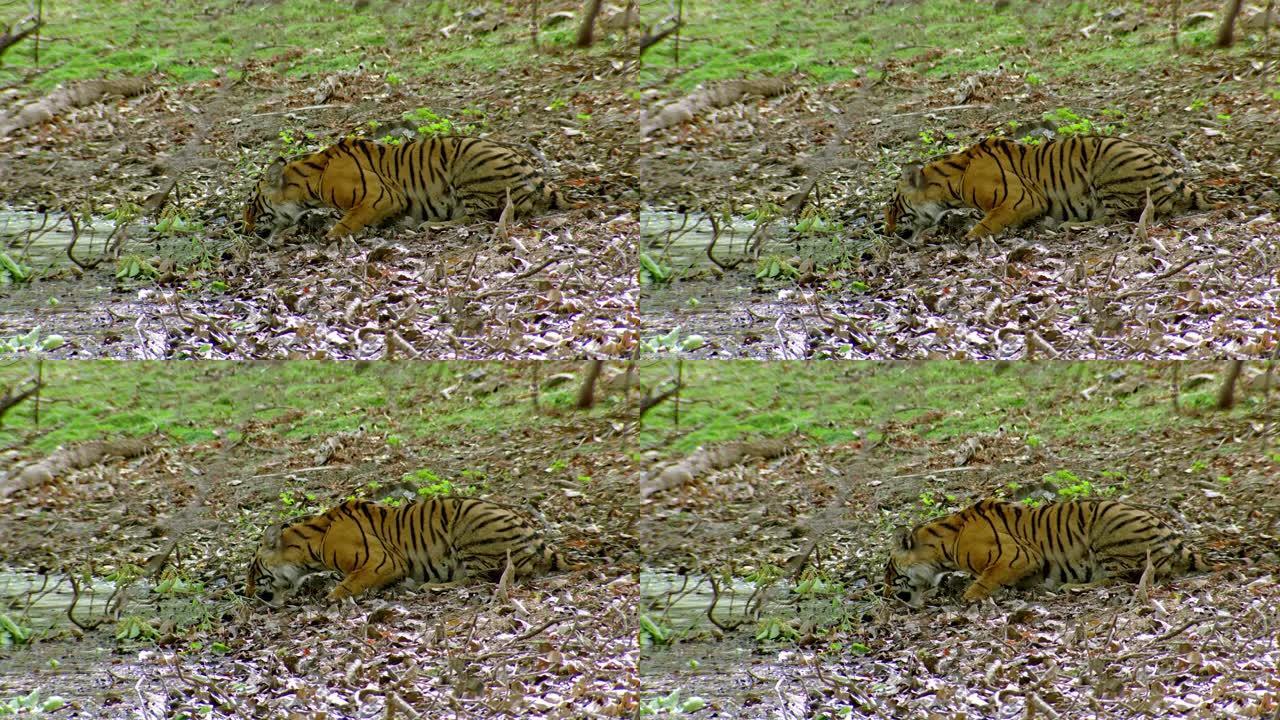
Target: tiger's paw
976, 593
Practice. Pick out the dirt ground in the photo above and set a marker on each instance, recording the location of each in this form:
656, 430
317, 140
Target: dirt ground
1200, 285
559, 646
1201, 646
560, 285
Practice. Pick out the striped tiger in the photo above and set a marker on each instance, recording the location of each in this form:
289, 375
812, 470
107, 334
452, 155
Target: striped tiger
1002, 543
439, 541
445, 178
1077, 178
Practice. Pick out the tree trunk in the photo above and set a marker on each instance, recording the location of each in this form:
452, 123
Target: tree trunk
587, 391
1227, 393
1226, 33
586, 35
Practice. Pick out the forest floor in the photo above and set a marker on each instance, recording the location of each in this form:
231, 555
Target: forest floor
791, 551
182, 283
261, 446
827, 282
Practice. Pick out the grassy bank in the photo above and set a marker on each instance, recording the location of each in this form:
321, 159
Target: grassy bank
837, 402
187, 42
836, 41
194, 402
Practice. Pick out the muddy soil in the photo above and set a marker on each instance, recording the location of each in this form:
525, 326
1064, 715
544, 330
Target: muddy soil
548, 648
1196, 286
1197, 646
559, 285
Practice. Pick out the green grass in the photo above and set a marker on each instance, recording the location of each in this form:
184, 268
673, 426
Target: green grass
832, 402
188, 42
194, 402
829, 41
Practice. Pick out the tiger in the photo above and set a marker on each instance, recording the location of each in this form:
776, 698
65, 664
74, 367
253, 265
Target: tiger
440, 178
1005, 544
1078, 179
439, 541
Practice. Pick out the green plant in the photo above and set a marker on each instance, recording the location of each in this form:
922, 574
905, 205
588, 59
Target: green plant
653, 633
671, 342
394, 79
30, 342
427, 122
430, 484
653, 272
772, 629
672, 705
774, 266
133, 266
1198, 104
12, 271
132, 627
124, 212
12, 632
1072, 487
174, 584
817, 587
1069, 123
31, 704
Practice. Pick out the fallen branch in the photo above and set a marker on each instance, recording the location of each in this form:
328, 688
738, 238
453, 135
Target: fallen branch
704, 460
718, 95
77, 95
73, 458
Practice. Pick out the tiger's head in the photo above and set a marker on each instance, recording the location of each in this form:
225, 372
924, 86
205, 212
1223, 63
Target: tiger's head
275, 204
917, 202
278, 567
915, 568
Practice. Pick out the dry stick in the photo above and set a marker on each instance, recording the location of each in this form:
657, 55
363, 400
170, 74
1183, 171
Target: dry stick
679, 22
1177, 10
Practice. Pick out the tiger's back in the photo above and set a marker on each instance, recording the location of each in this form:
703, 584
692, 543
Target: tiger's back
441, 178
1076, 178
438, 541
1003, 544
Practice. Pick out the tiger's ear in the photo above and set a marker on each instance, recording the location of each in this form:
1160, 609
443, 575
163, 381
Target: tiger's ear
271, 537
275, 173
914, 175
905, 539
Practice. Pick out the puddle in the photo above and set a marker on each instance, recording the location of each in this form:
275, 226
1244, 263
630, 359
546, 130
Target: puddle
734, 313
40, 240
40, 602
720, 664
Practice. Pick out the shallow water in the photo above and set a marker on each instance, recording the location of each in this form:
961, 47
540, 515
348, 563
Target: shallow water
41, 240
736, 313
41, 601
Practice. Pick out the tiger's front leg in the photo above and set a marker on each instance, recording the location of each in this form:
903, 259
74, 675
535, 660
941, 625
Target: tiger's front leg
363, 580
362, 216
1016, 563
999, 218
